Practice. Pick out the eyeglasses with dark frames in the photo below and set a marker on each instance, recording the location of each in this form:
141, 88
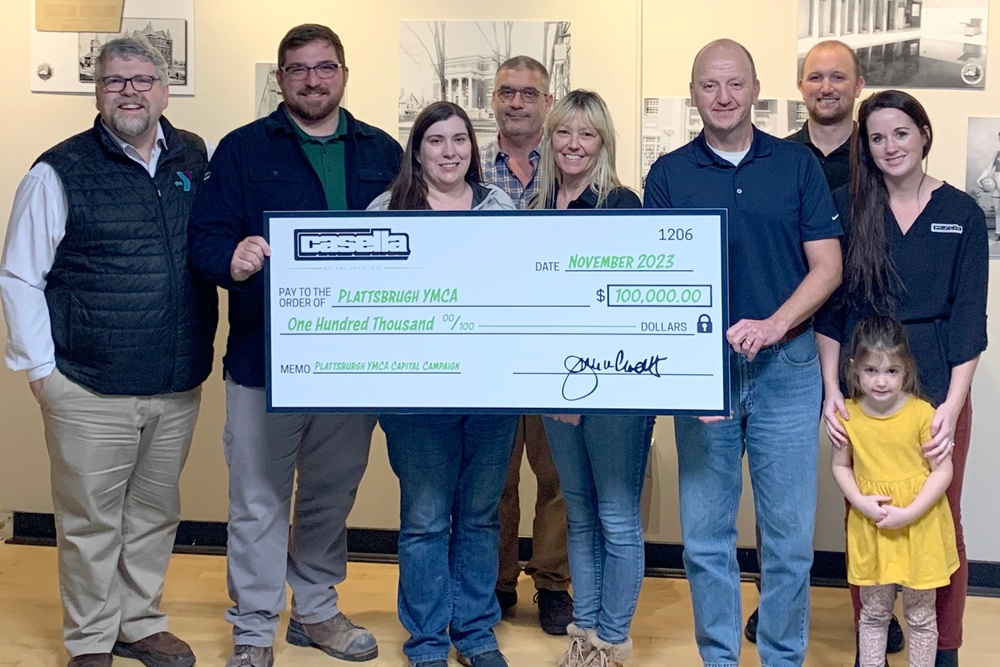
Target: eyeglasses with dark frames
529, 95
141, 83
301, 72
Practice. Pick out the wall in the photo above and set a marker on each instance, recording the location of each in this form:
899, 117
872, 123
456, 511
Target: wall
620, 49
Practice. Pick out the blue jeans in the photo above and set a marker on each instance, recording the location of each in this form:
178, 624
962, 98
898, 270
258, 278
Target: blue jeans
451, 471
776, 408
602, 465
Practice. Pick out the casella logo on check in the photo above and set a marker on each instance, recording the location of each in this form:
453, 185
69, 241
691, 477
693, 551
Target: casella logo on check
347, 244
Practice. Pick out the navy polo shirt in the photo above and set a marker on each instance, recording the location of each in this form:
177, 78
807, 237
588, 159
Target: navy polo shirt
777, 200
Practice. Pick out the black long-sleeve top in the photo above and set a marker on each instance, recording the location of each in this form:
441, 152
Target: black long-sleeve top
943, 263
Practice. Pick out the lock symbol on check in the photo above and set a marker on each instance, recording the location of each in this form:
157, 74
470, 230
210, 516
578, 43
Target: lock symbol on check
704, 324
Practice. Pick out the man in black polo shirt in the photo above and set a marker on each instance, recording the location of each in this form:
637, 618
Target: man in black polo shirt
784, 262
830, 82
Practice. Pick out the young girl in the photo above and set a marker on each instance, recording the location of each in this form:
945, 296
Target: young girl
899, 530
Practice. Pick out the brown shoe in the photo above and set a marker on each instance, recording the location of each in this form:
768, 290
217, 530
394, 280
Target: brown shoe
338, 637
90, 660
158, 650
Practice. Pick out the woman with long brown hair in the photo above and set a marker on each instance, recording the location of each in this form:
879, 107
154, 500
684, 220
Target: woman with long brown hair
451, 467
916, 250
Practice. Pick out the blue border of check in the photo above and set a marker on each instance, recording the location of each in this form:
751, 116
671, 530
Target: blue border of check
371, 215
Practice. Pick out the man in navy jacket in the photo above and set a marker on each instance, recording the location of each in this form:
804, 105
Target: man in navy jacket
308, 155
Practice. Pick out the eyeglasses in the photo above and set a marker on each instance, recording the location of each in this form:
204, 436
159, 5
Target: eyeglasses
301, 72
140, 83
529, 95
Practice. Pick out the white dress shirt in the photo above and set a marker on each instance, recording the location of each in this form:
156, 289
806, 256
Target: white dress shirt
37, 226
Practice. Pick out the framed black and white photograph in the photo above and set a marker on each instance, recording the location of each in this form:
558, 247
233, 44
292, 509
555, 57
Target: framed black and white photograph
457, 61
63, 62
266, 91
168, 36
670, 122
904, 43
982, 173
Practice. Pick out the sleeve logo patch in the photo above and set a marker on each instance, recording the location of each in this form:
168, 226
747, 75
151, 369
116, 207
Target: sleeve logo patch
946, 229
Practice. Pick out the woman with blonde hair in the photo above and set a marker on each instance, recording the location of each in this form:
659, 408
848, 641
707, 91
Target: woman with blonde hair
601, 458
577, 167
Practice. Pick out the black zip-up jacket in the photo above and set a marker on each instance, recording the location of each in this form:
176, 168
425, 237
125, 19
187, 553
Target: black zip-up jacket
262, 167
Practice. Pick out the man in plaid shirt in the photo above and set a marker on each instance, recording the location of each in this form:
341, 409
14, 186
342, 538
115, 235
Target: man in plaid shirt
521, 101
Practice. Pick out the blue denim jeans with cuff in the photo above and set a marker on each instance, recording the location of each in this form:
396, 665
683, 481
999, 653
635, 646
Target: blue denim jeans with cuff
602, 466
776, 402
451, 471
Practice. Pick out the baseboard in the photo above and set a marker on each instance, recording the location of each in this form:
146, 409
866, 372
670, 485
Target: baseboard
378, 545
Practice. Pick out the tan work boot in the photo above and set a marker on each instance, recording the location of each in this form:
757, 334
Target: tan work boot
338, 637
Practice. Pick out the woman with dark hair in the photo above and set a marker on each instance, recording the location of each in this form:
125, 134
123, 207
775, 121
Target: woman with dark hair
916, 250
451, 468
440, 169
601, 458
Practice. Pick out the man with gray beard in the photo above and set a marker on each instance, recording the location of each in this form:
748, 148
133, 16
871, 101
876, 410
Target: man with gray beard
115, 335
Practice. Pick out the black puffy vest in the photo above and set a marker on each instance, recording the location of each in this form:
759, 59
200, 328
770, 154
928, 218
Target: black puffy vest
128, 316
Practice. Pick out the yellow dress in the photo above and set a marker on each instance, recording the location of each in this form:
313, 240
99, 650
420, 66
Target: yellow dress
888, 462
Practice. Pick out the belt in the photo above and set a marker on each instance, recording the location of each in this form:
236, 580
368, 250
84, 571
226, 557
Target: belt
795, 332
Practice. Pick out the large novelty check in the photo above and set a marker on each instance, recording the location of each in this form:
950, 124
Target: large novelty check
578, 311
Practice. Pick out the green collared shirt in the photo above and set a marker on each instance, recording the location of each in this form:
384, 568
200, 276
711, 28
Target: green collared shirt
326, 155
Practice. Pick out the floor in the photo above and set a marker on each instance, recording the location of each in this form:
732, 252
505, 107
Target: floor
30, 629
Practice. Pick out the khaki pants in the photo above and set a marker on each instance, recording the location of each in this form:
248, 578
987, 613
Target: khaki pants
324, 456
549, 564
115, 465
